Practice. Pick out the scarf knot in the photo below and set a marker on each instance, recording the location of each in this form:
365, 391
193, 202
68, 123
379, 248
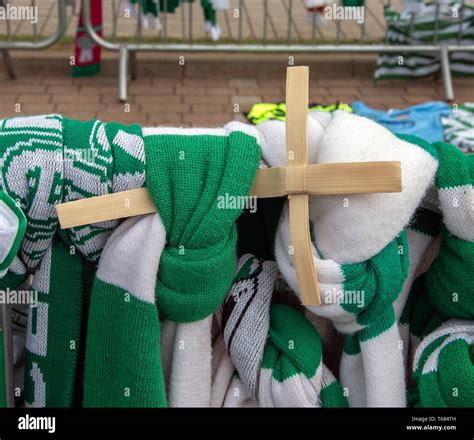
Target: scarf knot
198, 180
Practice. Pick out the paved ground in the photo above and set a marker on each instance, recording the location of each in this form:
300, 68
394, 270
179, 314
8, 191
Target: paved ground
204, 93
177, 24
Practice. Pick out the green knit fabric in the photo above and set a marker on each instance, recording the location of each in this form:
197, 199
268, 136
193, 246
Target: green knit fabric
275, 349
446, 290
443, 368
52, 368
46, 160
187, 176
123, 363
294, 348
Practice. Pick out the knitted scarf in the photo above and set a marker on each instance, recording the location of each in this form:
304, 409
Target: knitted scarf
361, 249
444, 289
45, 160
49, 159
87, 53
276, 351
123, 363
442, 367
189, 172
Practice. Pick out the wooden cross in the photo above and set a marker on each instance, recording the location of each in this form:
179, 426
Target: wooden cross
297, 181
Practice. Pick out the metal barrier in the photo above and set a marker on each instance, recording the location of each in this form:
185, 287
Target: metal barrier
293, 33
36, 43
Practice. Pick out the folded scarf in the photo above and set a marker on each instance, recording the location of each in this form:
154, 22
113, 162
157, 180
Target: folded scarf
46, 160
360, 249
442, 367
190, 173
276, 351
444, 289
87, 53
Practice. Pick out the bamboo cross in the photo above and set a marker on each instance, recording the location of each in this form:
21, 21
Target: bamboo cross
297, 181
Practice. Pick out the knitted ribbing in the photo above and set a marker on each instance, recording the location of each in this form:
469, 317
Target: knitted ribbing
190, 173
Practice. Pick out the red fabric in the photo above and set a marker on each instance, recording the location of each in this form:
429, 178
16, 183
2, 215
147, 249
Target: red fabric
87, 52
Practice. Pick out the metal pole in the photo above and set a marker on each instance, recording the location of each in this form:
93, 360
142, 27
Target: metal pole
241, 11
190, 29
290, 7
165, 20
8, 354
8, 64
114, 20
35, 30
265, 18
446, 73
47, 42
133, 65
123, 55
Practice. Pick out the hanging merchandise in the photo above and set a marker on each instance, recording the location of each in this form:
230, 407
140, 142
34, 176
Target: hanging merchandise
423, 120
263, 111
315, 11
148, 10
210, 18
87, 53
419, 24
459, 127
353, 3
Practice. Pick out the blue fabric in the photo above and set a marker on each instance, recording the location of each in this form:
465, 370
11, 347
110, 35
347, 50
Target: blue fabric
422, 120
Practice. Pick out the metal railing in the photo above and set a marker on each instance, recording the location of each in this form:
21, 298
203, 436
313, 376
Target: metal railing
295, 41
36, 42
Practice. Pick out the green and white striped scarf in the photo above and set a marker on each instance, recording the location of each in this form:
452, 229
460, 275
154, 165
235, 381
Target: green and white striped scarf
46, 160
366, 249
459, 127
276, 351
445, 290
455, 26
442, 367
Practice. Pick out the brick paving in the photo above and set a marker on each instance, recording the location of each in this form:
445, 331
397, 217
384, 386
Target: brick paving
167, 94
